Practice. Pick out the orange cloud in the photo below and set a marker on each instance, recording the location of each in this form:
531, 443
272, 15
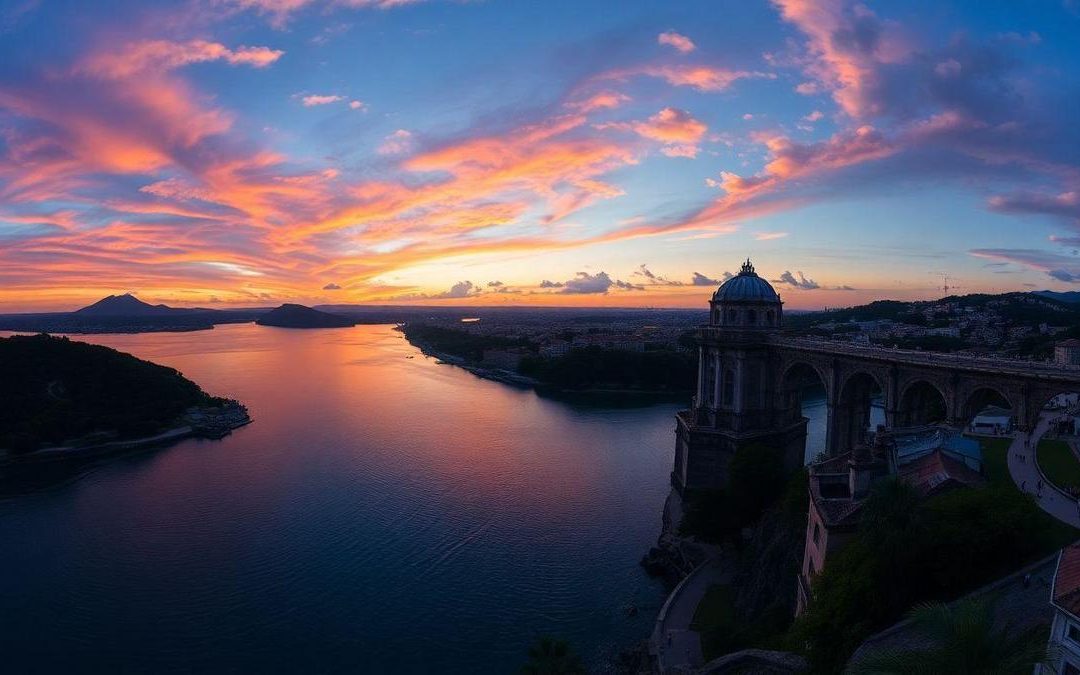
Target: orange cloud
677, 129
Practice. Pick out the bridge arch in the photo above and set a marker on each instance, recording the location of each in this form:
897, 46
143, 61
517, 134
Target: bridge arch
977, 398
850, 414
1055, 401
921, 402
804, 387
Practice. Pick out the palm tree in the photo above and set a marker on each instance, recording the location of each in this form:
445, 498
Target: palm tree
549, 656
960, 639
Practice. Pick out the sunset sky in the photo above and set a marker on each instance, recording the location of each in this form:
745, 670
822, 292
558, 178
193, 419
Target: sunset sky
249, 152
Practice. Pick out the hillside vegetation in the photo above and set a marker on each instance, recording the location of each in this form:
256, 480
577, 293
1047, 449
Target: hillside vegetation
55, 390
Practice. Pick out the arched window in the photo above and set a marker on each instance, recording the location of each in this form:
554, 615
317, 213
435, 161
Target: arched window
731, 316
751, 317
772, 317
729, 386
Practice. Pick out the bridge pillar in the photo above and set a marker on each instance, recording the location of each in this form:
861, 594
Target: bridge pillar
1027, 413
892, 397
834, 416
954, 405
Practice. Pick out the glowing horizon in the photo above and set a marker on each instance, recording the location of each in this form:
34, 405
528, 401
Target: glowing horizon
251, 152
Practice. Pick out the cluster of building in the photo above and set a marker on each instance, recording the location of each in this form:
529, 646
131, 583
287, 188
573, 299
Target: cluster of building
552, 334
983, 327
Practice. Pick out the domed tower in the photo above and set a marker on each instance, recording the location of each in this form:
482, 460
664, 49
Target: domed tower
746, 302
735, 405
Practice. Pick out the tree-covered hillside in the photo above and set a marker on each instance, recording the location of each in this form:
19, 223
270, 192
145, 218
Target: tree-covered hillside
54, 389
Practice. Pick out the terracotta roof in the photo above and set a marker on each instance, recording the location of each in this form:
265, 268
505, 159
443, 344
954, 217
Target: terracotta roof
1067, 580
937, 471
838, 512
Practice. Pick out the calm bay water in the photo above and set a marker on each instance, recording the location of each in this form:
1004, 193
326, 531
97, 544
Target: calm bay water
382, 514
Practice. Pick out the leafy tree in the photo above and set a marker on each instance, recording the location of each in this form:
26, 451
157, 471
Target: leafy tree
907, 552
963, 640
549, 656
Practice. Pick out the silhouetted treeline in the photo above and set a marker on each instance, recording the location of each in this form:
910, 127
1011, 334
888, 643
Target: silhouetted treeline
54, 389
600, 368
468, 346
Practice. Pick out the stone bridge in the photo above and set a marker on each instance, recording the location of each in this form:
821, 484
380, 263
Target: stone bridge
916, 387
751, 377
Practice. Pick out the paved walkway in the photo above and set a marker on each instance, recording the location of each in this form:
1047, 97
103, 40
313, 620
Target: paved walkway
1025, 473
676, 646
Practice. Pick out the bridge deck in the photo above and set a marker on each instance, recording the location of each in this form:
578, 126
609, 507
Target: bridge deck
980, 364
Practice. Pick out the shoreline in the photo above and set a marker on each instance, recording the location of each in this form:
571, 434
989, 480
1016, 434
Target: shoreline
213, 423
518, 380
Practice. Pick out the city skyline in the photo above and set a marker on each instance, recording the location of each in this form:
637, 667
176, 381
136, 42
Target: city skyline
249, 152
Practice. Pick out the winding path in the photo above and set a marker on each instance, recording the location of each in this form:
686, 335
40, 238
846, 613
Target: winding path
675, 645
1025, 473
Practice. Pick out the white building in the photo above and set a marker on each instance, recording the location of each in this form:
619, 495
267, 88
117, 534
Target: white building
992, 420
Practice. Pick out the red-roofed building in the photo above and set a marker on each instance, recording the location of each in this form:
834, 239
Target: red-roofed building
1065, 599
839, 487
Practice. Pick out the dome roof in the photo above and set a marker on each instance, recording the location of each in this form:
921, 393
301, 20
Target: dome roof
746, 286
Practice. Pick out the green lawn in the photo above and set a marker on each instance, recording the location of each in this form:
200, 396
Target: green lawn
714, 619
996, 468
1059, 464
995, 460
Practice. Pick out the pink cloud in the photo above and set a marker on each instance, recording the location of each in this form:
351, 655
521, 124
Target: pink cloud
397, 143
604, 100
161, 55
847, 45
312, 100
679, 42
677, 129
280, 11
701, 78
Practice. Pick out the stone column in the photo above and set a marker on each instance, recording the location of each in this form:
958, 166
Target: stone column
833, 422
892, 397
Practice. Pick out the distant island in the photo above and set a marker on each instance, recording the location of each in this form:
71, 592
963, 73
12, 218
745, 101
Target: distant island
63, 398
299, 316
126, 314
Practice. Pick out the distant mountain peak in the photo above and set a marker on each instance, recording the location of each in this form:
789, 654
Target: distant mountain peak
123, 305
1063, 296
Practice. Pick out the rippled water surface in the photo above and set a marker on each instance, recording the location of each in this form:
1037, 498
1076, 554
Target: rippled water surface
382, 514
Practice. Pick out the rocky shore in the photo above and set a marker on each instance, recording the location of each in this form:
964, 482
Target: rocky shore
675, 555
213, 422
